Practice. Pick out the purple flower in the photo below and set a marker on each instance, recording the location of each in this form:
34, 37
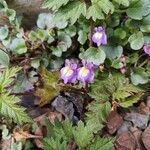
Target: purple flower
69, 72
99, 37
86, 73
147, 49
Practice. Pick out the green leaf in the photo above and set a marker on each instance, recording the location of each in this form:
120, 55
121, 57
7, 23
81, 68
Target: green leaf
32, 36
137, 78
45, 21
10, 109
6, 77
82, 135
130, 101
102, 144
56, 51
106, 6
112, 52
65, 39
117, 64
54, 144
136, 40
96, 115
138, 9
71, 31
54, 4
3, 5
119, 32
42, 34
94, 55
11, 14
95, 12
82, 37
18, 46
145, 24
123, 2
4, 58
4, 32
72, 11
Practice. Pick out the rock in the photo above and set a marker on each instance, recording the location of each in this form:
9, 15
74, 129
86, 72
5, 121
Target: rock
138, 119
125, 141
137, 135
143, 109
62, 105
146, 138
124, 127
114, 121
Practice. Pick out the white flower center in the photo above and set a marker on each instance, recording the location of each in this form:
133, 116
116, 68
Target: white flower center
68, 71
98, 35
84, 72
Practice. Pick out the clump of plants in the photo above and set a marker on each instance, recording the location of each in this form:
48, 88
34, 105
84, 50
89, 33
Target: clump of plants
96, 48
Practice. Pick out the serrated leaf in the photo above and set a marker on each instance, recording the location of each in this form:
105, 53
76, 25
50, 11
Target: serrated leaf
82, 135
72, 11
131, 100
10, 109
4, 58
94, 55
54, 4
102, 144
54, 144
136, 40
96, 115
123, 2
7, 76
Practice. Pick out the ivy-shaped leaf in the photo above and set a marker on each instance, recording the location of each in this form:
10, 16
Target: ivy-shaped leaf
136, 40
94, 55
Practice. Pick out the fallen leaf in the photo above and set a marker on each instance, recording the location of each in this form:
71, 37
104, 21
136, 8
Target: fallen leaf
146, 138
5, 144
50, 89
38, 142
114, 121
125, 141
20, 134
46, 94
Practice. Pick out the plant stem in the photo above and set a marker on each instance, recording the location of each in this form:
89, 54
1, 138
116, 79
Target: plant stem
91, 32
144, 62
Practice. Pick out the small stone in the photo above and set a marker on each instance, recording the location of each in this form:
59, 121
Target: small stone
138, 120
125, 141
146, 138
124, 127
114, 121
143, 109
137, 135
